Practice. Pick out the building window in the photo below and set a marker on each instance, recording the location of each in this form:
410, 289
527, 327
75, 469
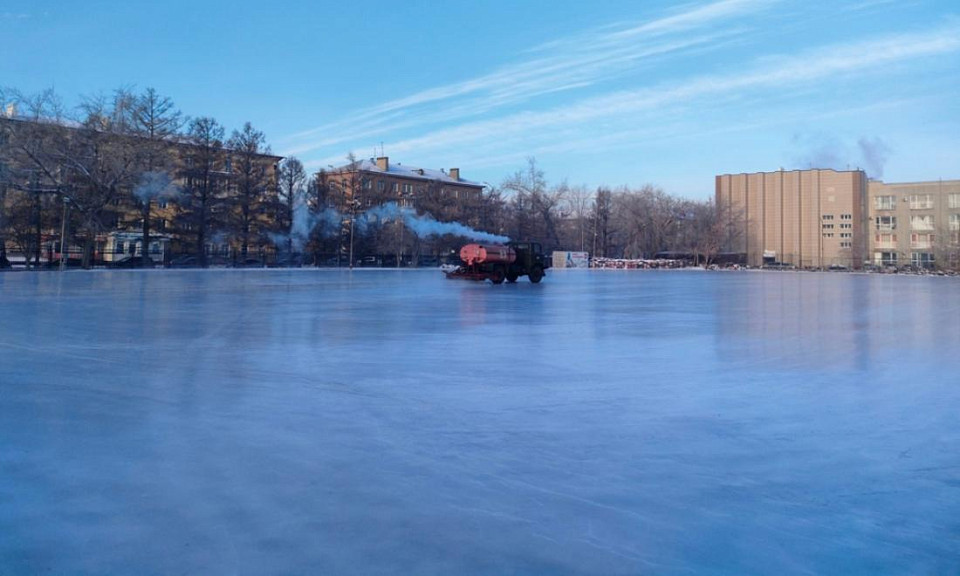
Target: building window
846, 226
886, 222
828, 216
828, 226
955, 221
921, 222
408, 188
954, 200
922, 259
846, 216
921, 240
228, 166
846, 244
886, 240
887, 258
885, 202
828, 234
396, 187
921, 202
381, 186
846, 235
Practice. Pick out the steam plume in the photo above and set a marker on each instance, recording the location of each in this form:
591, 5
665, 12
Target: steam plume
327, 223
154, 185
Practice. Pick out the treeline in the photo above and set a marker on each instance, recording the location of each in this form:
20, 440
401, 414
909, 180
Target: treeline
132, 161
615, 223
115, 160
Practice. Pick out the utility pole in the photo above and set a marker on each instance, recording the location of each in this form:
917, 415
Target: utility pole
63, 234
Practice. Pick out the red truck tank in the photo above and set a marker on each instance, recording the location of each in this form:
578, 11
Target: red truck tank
473, 254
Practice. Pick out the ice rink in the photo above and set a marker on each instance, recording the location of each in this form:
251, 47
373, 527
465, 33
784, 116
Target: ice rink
384, 421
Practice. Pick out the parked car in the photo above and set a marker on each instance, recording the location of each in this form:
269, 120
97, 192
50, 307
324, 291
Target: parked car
248, 263
287, 261
778, 266
191, 261
132, 262
184, 262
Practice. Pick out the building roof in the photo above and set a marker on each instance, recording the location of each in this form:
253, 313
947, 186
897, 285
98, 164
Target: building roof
66, 124
411, 172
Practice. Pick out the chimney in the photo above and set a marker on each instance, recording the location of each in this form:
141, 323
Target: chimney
455, 174
383, 163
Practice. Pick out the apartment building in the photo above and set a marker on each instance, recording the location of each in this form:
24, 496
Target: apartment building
46, 190
802, 218
916, 223
375, 181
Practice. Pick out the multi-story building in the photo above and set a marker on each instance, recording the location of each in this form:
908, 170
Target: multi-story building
824, 218
374, 181
803, 218
915, 223
363, 184
46, 189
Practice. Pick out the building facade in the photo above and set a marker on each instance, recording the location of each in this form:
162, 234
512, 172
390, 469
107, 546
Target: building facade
375, 181
95, 187
828, 218
915, 223
801, 218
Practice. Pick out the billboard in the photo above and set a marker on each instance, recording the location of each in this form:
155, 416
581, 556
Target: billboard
571, 259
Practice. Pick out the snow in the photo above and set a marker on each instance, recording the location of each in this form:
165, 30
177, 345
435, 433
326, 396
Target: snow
383, 421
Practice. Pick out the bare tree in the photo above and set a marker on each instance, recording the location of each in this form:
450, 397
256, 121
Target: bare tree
291, 188
31, 131
102, 158
523, 187
203, 175
247, 146
601, 215
157, 122
577, 202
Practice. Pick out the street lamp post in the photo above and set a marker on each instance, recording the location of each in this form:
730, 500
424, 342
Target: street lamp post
402, 228
63, 233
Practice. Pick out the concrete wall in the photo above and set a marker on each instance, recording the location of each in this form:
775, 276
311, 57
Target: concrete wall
806, 218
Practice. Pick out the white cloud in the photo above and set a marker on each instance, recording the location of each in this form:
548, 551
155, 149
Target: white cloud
534, 131
563, 65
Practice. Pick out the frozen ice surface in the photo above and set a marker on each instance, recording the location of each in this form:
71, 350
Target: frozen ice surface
605, 422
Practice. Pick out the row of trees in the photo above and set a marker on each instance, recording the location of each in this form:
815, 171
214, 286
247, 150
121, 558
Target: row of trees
118, 159
623, 222
132, 161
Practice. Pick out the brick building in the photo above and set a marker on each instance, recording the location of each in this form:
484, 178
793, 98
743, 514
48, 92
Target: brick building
804, 218
824, 218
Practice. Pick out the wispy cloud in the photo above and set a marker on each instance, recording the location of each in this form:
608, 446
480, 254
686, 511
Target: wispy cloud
576, 123
14, 15
564, 65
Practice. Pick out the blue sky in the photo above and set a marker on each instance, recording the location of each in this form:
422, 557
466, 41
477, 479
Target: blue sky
615, 92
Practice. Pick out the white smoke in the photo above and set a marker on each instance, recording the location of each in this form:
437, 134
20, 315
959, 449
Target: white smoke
154, 186
327, 223
423, 225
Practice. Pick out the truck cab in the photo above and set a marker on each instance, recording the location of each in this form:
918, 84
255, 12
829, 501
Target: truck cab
530, 262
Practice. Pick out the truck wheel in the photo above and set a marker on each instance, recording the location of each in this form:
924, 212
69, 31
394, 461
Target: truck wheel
497, 275
512, 277
536, 274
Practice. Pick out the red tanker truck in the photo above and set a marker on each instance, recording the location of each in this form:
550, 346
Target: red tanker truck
499, 262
